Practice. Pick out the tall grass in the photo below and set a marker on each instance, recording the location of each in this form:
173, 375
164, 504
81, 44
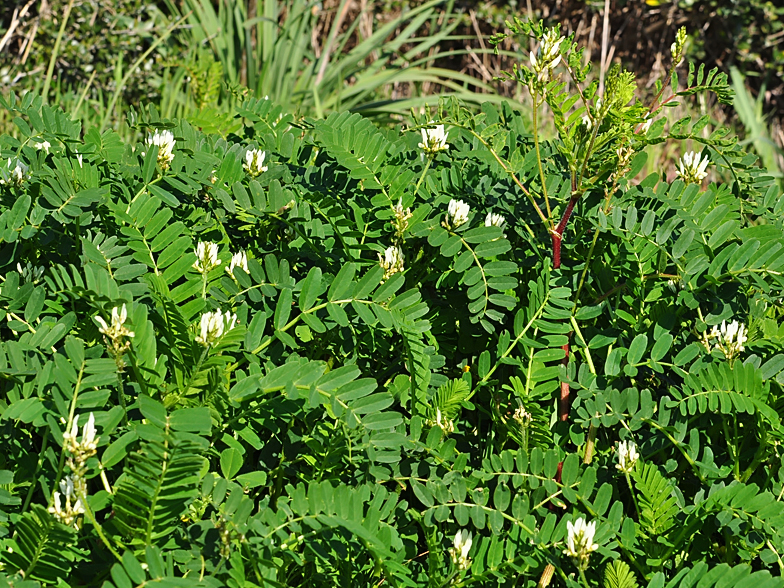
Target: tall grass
275, 55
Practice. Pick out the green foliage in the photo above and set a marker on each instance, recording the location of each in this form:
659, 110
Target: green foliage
330, 365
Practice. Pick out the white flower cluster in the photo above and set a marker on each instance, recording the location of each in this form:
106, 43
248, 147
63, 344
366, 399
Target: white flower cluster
214, 325
442, 422
115, 333
549, 55
164, 140
45, 145
206, 257
73, 507
29, 272
402, 215
434, 140
494, 220
238, 260
522, 416
254, 162
461, 548
579, 541
731, 338
691, 168
16, 172
392, 262
73, 488
627, 456
457, 214
89, 442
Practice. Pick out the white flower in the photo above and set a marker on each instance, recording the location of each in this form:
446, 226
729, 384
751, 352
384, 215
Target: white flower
457, 214
730, 338
73, 504
691, 168
206, 257
165, 142
627, 456
254, 162
80, 159
587, 122
434, 140
116, 330
45, 146
522, 416
89, 443
579, 540
88, 434
392, 261
551, 45
30, 273
462, 546
624, 156
647, 124
213, 325
549, 55
239, 259
16, 173
402, 215
442, 422
494, 220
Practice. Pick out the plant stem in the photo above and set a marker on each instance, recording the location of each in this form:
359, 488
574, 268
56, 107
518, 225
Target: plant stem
590, 444
634, 496
583, 579
44, 445
539, 160
422, 177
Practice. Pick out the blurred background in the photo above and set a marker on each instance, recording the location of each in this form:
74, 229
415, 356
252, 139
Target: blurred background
100, 60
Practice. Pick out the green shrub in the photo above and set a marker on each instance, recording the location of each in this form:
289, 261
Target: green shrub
316, 352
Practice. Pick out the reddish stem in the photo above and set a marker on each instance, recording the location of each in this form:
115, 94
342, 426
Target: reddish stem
563, 407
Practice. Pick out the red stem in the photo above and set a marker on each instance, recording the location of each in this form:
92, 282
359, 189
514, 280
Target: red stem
563, 407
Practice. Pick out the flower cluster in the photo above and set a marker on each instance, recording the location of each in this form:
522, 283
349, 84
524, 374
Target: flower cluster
16, 173
549, 55
579, 541
238, 260
457, 214
254, 162
206, 257
442, 422
676, 49
461, 548
214, 325
434, 140
80, 451
392, 261
731, 338
522, 416
73, 488
67, 513
402, 215
115, 334
627, 456
691, 168
164, 140
495, 220
45, 145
